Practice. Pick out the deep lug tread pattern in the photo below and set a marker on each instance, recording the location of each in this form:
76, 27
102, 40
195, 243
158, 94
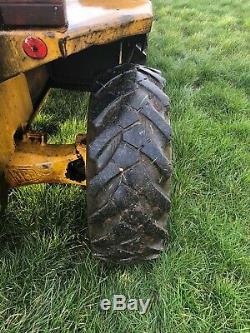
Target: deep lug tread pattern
157, 119
129, 165
156, 92
154, 75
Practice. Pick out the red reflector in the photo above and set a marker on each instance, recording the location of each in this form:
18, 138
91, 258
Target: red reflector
35, 48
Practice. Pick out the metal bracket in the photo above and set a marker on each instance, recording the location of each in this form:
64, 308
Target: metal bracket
36, 162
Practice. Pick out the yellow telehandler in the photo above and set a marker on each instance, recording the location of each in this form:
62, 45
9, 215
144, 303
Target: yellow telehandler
124, 159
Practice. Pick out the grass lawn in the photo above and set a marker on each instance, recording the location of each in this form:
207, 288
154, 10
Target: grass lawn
49, 281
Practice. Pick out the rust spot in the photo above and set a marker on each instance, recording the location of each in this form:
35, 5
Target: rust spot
46, 166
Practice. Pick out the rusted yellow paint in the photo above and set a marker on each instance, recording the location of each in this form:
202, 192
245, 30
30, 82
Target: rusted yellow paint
42, 163
89, 23
21, 162
15, 110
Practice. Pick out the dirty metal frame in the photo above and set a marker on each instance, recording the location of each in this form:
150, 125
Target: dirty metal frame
25, 157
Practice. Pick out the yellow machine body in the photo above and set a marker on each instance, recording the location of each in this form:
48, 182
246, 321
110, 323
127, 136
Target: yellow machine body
90, 22
23, 80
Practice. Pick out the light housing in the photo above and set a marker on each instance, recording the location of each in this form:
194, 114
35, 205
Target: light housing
35, 48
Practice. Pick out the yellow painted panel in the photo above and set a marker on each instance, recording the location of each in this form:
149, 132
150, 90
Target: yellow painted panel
90, 23
15, 111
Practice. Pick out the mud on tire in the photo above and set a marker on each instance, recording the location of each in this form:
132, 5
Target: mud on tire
129, 165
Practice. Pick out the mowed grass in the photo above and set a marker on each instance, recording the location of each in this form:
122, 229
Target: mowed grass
49, 282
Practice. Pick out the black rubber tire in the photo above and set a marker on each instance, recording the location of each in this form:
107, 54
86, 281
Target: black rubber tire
129, 165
